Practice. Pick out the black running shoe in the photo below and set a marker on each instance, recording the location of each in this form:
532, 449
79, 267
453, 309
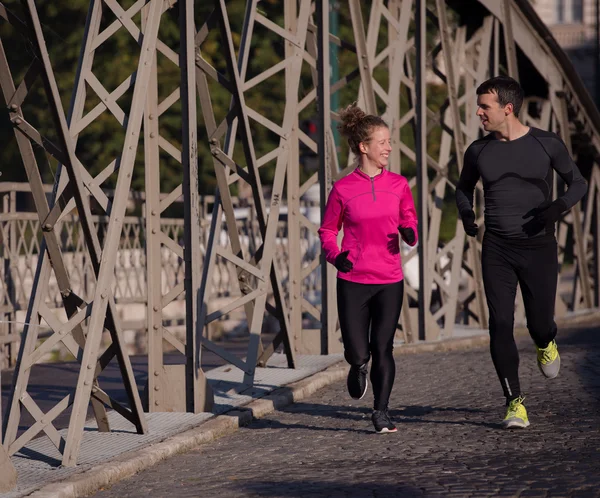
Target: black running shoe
357, 381
381, 421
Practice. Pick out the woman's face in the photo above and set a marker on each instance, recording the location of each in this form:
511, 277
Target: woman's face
376, 150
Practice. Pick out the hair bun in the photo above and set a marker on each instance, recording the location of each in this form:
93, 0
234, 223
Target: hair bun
351, 116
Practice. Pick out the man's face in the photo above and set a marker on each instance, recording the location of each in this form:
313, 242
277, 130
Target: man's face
489, 111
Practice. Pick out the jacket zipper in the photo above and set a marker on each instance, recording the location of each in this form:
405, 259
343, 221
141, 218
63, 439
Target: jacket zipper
373, 187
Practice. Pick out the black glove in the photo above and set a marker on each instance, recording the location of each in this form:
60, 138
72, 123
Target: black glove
543, 216
342, 263
408, 234
468, 220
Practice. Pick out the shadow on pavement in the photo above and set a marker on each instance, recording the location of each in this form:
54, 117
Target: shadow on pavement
316, 488
402, 415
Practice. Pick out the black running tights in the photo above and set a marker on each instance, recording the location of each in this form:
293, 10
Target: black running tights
368, 316
533, 264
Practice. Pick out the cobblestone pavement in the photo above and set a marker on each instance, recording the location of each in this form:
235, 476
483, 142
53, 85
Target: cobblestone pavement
447, 406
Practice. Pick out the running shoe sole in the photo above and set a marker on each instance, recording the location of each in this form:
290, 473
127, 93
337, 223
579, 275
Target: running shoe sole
550, 371
515, 423
365, 391
385, 430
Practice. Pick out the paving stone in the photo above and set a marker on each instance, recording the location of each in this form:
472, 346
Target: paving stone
448, 408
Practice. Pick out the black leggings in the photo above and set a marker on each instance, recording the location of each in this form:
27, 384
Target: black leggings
374, 306
534, 265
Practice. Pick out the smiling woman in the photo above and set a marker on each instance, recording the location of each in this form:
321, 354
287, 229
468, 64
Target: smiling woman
372, 205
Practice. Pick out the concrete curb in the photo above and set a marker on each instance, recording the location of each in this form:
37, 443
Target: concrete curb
128, 464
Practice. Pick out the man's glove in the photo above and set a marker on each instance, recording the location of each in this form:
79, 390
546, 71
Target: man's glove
468, 220
543, 216
342, 263
408, 234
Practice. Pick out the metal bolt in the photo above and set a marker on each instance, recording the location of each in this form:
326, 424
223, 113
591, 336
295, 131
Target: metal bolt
47, 227
18, 121
86, 383
14, 107
154, 230
152, 134
66, 293
103, 295
153, 212
155, 327
156, 403
156, 373
151, 116
155, 308
89, 367
156, 388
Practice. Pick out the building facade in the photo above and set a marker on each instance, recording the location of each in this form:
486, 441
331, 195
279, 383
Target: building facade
573, 24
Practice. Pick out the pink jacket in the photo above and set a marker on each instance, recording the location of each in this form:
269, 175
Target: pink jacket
370, 210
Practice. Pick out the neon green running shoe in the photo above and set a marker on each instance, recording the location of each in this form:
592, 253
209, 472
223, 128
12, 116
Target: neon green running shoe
516, 415
548, 360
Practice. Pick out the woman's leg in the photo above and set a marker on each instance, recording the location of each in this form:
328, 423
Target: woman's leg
354, 315
385, 310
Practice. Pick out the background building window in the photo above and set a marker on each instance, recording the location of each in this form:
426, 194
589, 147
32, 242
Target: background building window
577, 11
560, 11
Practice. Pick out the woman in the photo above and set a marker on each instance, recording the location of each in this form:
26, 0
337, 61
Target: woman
372, 205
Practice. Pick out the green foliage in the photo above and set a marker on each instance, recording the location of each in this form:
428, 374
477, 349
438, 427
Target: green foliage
117, 58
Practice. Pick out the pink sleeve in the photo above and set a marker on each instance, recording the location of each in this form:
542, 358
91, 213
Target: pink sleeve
331, 225
408, 214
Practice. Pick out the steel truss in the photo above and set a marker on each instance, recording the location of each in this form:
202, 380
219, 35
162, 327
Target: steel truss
400, 50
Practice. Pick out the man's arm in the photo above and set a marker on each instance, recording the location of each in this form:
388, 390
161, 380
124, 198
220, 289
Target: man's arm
548, 212
564, 165
469, 176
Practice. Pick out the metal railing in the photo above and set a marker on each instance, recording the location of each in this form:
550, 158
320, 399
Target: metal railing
21, 238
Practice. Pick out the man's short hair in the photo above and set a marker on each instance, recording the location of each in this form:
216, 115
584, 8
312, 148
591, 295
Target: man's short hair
507, 89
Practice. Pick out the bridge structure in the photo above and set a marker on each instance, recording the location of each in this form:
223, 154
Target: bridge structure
415, 62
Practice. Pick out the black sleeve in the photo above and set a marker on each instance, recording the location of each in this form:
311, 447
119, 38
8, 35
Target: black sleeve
564, 165
469, 177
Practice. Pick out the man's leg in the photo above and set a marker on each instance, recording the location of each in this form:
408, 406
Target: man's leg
538, 280
500, 283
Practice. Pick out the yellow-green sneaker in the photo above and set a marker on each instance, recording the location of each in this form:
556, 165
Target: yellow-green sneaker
548, 360
516, 414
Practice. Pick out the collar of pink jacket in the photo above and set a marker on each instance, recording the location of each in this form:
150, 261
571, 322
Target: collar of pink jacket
364, 175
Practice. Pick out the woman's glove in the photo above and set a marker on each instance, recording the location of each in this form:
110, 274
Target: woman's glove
408, 234
342, 263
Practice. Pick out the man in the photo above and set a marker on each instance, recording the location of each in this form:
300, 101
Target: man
516, 164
